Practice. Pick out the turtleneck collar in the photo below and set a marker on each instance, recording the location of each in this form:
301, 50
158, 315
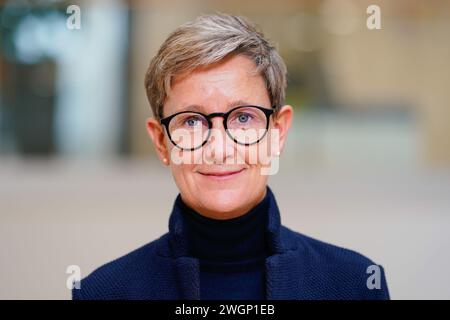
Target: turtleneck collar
250, 235
238, 239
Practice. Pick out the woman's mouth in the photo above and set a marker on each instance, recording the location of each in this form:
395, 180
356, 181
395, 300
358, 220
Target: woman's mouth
221, 175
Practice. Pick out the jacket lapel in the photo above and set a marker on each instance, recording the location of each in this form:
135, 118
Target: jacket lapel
283, 267
283, 276
187, 268
188, 273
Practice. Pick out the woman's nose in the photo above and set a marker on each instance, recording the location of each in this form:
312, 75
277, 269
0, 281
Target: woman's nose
219, 146
217, 123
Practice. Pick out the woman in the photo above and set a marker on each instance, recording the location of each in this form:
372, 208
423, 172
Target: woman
216, 88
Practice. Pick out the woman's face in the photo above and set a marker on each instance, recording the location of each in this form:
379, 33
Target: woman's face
222, 179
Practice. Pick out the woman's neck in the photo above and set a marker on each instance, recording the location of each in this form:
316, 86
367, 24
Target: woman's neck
240, 238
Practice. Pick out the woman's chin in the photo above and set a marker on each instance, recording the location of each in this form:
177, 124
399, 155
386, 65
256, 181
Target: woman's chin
222, 201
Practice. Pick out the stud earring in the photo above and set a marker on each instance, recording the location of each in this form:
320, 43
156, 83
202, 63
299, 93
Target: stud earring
165, 160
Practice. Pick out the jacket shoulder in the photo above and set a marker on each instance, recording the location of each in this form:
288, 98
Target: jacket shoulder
135, 275
337, 272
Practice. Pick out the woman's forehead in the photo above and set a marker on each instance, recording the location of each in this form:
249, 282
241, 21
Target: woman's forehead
219, 87
207, 108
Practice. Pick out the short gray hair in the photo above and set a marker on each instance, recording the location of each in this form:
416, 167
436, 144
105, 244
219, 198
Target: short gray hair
205, 41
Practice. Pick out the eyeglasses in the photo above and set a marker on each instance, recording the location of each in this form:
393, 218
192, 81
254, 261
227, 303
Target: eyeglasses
245, 125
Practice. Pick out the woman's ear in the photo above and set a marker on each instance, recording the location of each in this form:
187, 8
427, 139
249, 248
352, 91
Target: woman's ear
282, 122
156, 133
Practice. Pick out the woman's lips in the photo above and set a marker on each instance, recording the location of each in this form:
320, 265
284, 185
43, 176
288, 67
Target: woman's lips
220, 175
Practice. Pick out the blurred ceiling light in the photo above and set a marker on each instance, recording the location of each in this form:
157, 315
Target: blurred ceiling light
37, 37
13, 10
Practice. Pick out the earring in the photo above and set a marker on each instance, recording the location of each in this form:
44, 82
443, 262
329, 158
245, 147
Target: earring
278, 153
165, 160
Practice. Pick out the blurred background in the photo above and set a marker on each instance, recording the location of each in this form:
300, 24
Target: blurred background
367, 165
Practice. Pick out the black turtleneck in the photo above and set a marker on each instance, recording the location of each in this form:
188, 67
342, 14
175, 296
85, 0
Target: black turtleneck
231, 252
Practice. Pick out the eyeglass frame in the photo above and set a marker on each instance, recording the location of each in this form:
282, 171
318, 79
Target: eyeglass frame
267, 112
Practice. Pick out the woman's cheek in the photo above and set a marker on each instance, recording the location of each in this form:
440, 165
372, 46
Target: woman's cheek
258, 155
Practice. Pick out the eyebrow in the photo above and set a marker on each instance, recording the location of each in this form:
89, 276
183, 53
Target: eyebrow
201, 108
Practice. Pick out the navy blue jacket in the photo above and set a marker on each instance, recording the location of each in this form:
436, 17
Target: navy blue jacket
298, 268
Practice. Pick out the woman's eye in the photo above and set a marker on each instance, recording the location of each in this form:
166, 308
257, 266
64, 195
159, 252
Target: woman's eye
191, 122
243, 117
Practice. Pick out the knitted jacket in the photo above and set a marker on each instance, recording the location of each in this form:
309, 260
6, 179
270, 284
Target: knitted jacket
299, 267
